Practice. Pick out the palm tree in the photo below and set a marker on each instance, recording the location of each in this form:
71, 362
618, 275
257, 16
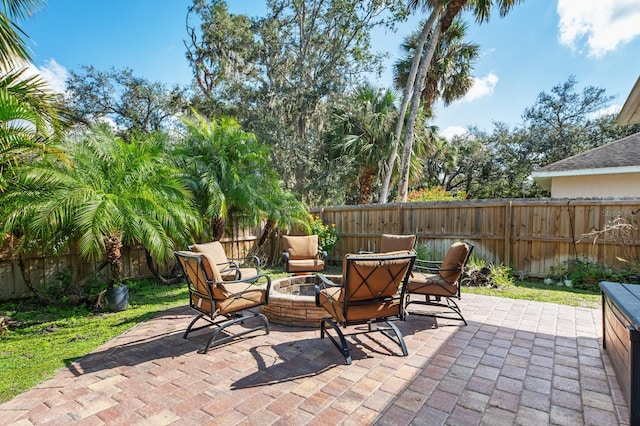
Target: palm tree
436, 7
29, 113
29, 121
13, 49
446, 13
449, 76
114, 193
361, 131
230, 174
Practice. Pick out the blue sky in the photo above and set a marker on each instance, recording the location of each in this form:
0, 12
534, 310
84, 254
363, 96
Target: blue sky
538, 45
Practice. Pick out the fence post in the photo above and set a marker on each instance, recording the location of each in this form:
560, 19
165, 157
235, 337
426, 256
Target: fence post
507, 233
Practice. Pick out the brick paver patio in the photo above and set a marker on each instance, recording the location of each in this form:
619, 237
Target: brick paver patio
517, 362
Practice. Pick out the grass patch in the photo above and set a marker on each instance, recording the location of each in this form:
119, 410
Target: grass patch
528, 290
49, 338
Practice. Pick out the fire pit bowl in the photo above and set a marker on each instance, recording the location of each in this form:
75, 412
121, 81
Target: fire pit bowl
292, 301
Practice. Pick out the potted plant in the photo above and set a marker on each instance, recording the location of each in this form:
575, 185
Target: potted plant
117, 297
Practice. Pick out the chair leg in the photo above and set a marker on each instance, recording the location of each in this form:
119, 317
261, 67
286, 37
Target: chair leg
342, 346
451, 305
213, 342
189, 330
396, 337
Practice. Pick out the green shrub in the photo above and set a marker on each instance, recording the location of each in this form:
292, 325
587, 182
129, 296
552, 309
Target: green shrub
435, 193
586, 274
327, 235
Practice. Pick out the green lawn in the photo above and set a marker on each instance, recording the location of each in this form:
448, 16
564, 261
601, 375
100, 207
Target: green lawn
527, 290
49, 338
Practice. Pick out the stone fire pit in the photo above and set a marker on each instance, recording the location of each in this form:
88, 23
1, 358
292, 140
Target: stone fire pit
292, 301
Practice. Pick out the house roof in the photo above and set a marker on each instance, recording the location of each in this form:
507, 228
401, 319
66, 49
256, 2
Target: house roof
621, 156
630, 112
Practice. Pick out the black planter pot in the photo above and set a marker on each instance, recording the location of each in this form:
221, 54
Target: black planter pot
118, 298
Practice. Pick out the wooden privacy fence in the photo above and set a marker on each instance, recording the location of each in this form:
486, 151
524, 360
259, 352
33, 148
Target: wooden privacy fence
42, 269
530, 236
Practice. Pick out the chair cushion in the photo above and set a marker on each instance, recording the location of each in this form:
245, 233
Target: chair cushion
214, 250
233, 297
301, 246
434, 284
331, 300
390, 242
388, 308
247, 273
210, 268
306, 265
454, 260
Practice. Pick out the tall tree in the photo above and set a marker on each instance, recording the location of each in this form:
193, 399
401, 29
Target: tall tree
133, 103
278, 73
563, 123
481, 9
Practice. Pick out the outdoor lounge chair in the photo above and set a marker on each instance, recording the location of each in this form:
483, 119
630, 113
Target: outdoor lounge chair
221, 302
439, 280
371, 291
302, 254
230, 268
394, 242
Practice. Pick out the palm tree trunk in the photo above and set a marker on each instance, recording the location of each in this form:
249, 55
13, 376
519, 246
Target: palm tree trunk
453, 8
113, 244
403, 186
219, 226
367, 179
269, 227
406, 96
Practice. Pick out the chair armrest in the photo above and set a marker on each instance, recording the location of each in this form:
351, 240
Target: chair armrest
251, 280
249, 259
324, 283
429, 266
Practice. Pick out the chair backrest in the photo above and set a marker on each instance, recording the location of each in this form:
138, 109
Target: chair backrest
214, 250
199, 269
374, 277
455, 261
391, 242
300, 246
201, 274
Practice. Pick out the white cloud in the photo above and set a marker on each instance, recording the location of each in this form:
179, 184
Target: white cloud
611, 110
482, 86
452, 131
601, 25
55, 74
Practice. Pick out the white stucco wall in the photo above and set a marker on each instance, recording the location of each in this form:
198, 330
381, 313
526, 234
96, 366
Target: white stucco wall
614, 185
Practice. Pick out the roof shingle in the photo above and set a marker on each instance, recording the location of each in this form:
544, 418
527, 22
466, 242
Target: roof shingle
624, 152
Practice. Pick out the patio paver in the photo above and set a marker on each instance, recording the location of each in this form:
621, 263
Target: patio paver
517, 362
